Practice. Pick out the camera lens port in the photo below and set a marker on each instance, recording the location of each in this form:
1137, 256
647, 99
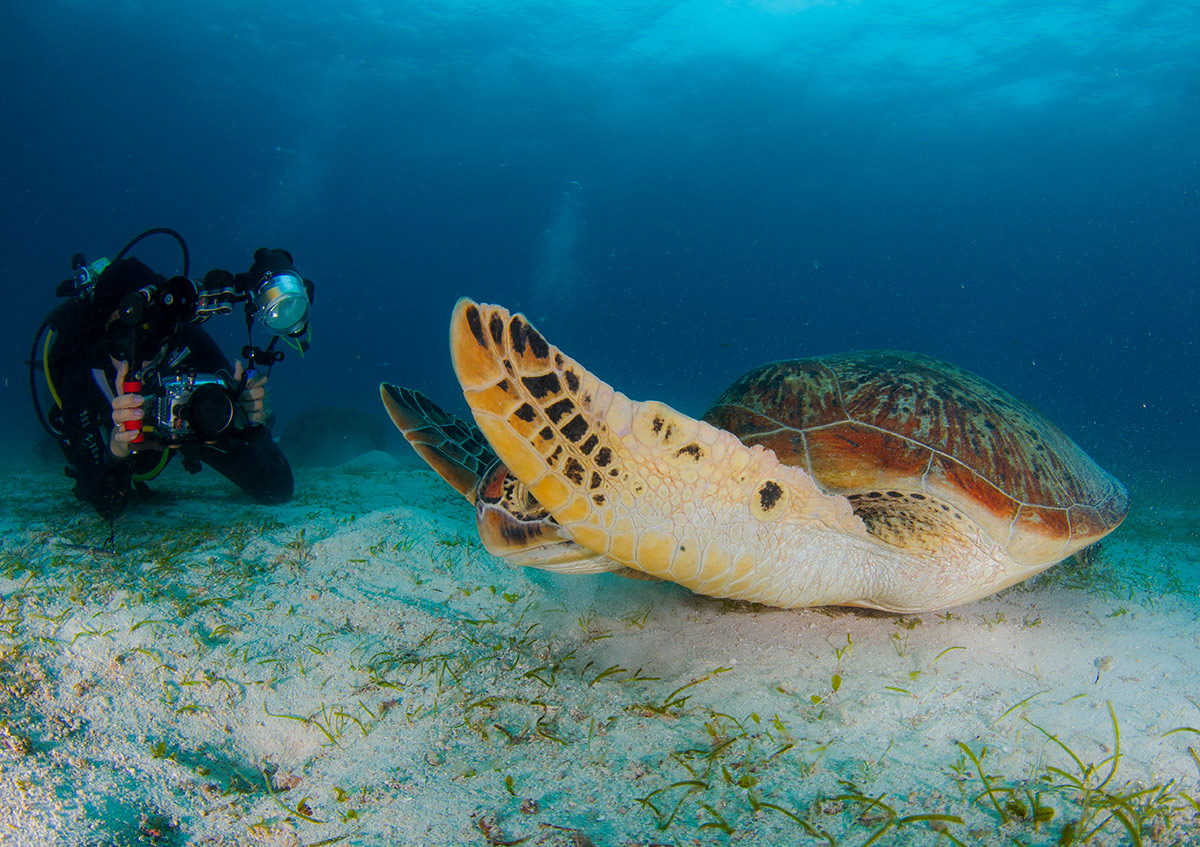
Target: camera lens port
211, 412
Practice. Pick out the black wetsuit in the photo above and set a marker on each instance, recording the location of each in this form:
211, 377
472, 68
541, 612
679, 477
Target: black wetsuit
249, 459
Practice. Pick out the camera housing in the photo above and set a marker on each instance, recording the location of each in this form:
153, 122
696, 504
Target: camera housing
186, 407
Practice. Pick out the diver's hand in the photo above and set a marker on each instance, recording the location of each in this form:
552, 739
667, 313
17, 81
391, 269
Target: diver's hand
125, 407
254, 400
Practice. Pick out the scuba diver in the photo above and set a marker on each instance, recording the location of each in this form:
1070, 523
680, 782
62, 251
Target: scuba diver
135, 379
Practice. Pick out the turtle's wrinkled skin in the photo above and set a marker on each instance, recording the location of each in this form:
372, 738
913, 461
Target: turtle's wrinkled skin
881, 479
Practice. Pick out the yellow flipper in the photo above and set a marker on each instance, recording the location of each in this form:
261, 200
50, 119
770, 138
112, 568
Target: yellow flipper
645, 485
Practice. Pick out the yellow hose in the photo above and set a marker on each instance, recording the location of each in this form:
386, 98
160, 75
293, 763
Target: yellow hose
156, 470
46, 368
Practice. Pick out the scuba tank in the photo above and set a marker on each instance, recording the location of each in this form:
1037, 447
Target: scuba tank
66, 316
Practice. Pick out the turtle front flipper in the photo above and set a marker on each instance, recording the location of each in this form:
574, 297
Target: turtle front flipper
649, 487
455, 448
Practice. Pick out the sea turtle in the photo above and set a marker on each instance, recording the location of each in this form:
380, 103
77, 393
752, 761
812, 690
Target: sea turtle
882, 479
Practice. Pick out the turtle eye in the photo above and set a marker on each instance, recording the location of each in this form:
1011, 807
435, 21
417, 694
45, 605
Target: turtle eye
520, 502
527, 500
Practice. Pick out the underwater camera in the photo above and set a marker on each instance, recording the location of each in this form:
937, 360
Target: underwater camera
146, 312
187, 406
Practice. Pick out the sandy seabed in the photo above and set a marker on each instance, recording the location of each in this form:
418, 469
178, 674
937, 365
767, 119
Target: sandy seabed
354, 668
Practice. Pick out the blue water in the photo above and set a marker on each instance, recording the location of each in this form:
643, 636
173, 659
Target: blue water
673, 191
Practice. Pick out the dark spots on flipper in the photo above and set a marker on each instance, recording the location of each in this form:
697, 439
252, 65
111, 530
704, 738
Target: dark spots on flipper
573, 470
516, 334
553, 458
540, 386
522, 335
556, 411
694, 450
547, 433
667, 433
603, 457
596, 480
476, 325
503, 385
657, 424
558, 360
496, 326
572, 381
589, 445
615, 472
575, 429
888, 495
908, 520
525, 412
537, 344
769, 495
598, 499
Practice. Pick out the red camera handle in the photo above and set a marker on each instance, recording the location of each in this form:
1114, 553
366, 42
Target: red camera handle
133, 387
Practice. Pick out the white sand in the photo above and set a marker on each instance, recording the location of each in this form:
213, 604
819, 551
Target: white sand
396, 685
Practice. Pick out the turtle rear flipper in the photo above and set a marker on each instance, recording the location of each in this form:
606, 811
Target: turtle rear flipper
455, 448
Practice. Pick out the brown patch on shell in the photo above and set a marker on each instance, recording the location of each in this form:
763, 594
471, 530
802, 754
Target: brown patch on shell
882, 419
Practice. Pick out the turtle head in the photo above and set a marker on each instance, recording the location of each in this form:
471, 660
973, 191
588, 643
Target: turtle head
512, 524
516, 527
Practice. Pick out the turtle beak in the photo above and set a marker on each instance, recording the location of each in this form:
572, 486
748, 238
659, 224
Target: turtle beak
532, 543
516, 528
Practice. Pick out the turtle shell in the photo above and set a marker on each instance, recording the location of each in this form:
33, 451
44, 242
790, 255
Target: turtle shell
887, 425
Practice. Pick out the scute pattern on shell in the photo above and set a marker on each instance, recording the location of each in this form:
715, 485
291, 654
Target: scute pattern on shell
880, 420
